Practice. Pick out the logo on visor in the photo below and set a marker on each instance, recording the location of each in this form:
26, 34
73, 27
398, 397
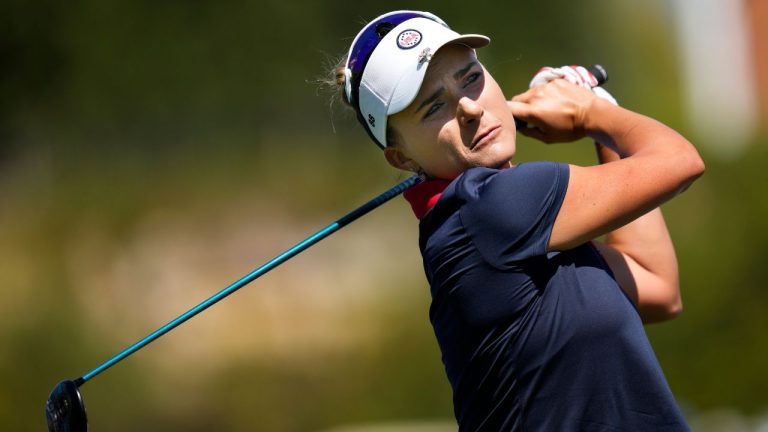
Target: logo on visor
408, 39
371, 120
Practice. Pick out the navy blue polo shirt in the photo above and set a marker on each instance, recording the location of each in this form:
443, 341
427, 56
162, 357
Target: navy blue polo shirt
531, 340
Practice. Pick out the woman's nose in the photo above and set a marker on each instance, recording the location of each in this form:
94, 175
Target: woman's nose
468, 111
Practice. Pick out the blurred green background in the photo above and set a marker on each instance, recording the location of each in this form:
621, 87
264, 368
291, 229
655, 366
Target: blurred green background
153, 152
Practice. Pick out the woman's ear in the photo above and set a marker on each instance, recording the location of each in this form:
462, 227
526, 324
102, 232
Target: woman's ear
399, 160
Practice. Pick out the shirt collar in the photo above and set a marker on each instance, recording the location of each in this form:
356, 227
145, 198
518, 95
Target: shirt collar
424, 196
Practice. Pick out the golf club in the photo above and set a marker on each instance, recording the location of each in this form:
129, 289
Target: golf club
65, 410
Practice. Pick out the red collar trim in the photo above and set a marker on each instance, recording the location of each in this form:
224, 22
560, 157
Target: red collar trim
424, 196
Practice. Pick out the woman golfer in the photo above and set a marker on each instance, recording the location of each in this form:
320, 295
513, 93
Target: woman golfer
540, 326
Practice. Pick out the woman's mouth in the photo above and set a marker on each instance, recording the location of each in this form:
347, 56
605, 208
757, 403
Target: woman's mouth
486, 136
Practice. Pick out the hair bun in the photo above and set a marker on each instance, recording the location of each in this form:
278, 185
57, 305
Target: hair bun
343, 81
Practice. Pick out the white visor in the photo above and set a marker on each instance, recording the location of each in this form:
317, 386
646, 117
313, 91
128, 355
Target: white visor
396, 68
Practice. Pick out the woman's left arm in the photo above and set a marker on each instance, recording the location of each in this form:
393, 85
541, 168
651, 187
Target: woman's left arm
642, 258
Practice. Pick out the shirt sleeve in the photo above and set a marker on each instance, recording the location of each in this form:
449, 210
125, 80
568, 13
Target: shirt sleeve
509, 214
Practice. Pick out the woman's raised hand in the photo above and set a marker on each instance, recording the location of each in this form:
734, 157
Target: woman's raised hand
556, 111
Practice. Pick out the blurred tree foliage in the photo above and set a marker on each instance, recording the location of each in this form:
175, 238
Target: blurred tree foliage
112, 110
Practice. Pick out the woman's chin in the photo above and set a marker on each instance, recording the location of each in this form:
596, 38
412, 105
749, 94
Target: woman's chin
499, 155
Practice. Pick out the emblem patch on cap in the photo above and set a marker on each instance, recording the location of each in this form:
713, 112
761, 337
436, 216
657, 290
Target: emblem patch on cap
408, 39
425, 56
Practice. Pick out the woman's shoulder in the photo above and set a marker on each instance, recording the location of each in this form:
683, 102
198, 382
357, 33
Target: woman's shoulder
477, 182
486, 190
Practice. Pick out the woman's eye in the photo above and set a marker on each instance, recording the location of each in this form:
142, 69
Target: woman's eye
433, 109
472, 78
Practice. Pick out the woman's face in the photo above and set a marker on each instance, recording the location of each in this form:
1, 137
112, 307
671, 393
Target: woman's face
459, 119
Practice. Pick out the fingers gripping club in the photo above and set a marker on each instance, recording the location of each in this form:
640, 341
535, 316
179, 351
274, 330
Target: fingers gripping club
597, 72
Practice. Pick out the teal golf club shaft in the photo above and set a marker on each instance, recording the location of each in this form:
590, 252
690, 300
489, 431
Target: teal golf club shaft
250, 277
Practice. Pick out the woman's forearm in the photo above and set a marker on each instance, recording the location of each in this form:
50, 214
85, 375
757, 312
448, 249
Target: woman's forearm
657, 163
646, 243
630, 134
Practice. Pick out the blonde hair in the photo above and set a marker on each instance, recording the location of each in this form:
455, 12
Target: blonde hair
335, 81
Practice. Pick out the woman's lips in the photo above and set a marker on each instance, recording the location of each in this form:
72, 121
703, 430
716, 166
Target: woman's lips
486, 137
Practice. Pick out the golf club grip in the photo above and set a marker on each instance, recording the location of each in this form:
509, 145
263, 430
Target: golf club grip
597, 70
253, 275
600, 73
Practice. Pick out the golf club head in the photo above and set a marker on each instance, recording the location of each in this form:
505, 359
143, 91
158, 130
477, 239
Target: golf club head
65, 411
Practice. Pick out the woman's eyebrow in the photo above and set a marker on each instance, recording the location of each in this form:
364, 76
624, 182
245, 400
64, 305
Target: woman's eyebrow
431, 98
460, 73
